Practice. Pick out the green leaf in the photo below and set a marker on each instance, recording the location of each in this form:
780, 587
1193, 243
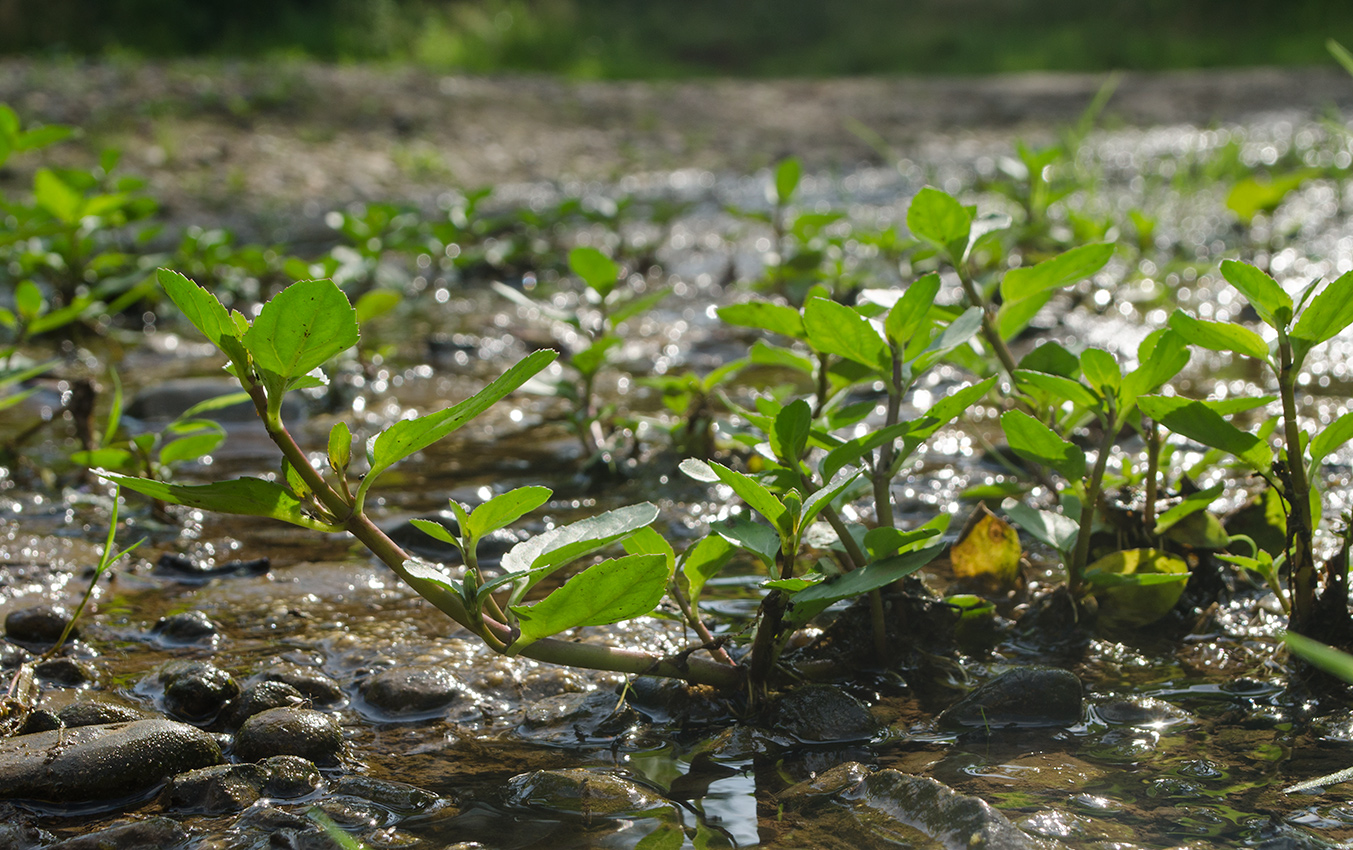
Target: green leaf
1254, 195
1062, 389
534, 558
808, 603
340, 447
435, 530
590, 360
301, 328
1219, 336
1062, 270
751, 491
1136, 587
200, 307
1190, 504
244, 496
745, 533
219, 402
775, 318
413, 435
837, 329
959, 331
1050, 527
1199, 422
190, 448
1327, 658
1330, 438
1101, 370
910, 312
1014, 316
637, 305
822, 497
1328, 313
28, 301
57, 197
505, 508
596, 269
1267, 298
789, 434
885, 540
1160, 357
646, 541
765, 354
375, 303
1032, 440
608, 592
703, 560
787, 175
940, 220
116, 459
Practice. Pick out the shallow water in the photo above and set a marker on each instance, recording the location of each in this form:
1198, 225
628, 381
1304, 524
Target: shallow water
1203, 768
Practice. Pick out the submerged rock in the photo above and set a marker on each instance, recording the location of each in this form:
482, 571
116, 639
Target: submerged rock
188, 571
573, 719
1023, 697
302, 732
261, 696
185, 628
93, 712
820, 714
585, 794
317, 687
234, 787
152, 832
399, 797
412, 691
66, 672
950, 819
105, 762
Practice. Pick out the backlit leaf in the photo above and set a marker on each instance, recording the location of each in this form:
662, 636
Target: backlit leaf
608, 592
1199, 422
1032, 440
506, 508
776, 318
1062, 270
1219, 336
1267, 298
837, 329
301, 328
245, 496
940, 220
200, 307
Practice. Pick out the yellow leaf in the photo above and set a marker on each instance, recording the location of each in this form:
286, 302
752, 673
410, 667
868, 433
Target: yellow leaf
989, 552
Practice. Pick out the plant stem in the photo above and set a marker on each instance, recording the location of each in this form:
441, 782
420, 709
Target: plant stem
1082, 553
989, 330
701, 630
1152, 471
1301, 560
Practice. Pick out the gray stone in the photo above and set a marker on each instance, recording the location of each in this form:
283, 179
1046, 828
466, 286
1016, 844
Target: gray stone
153, 833
17, 831
577, 718
66, 672
105, 762
585, 794
1023, 697
290, 776
186, 628
820, 713
412, 691
261, 696
93, 712
217, 789
398, 797
38, 625
313, 684
302, 732
196, 691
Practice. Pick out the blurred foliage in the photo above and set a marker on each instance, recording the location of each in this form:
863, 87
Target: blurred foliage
663, 38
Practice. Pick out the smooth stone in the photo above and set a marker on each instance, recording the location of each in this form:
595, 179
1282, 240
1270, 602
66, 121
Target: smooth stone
302, 732
399, 797
185, 628
819, 714
576, 718
150, 833
402, 691
950, 819
1140, 711
261, 696
39, 624
313, 684
95, 711
67, 672
585, 794
40, 720
290, 776
1023, 697
187, 571
106, 762
197, 691
217, 789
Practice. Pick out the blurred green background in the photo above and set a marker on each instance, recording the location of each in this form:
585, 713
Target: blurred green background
679, 38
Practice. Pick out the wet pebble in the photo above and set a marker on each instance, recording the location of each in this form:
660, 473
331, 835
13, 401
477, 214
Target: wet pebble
196, 691
572, 719
302, 732
317, 687
188, 571
820, 713
105, 762
40, 720
186, 628
412, 691
39, 625
260, 696
398, 797
1025, 697
152, 832
948, 818
17, 832
585, 794
671, 700
92, 712
234, 787
66, 672
1140, 711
